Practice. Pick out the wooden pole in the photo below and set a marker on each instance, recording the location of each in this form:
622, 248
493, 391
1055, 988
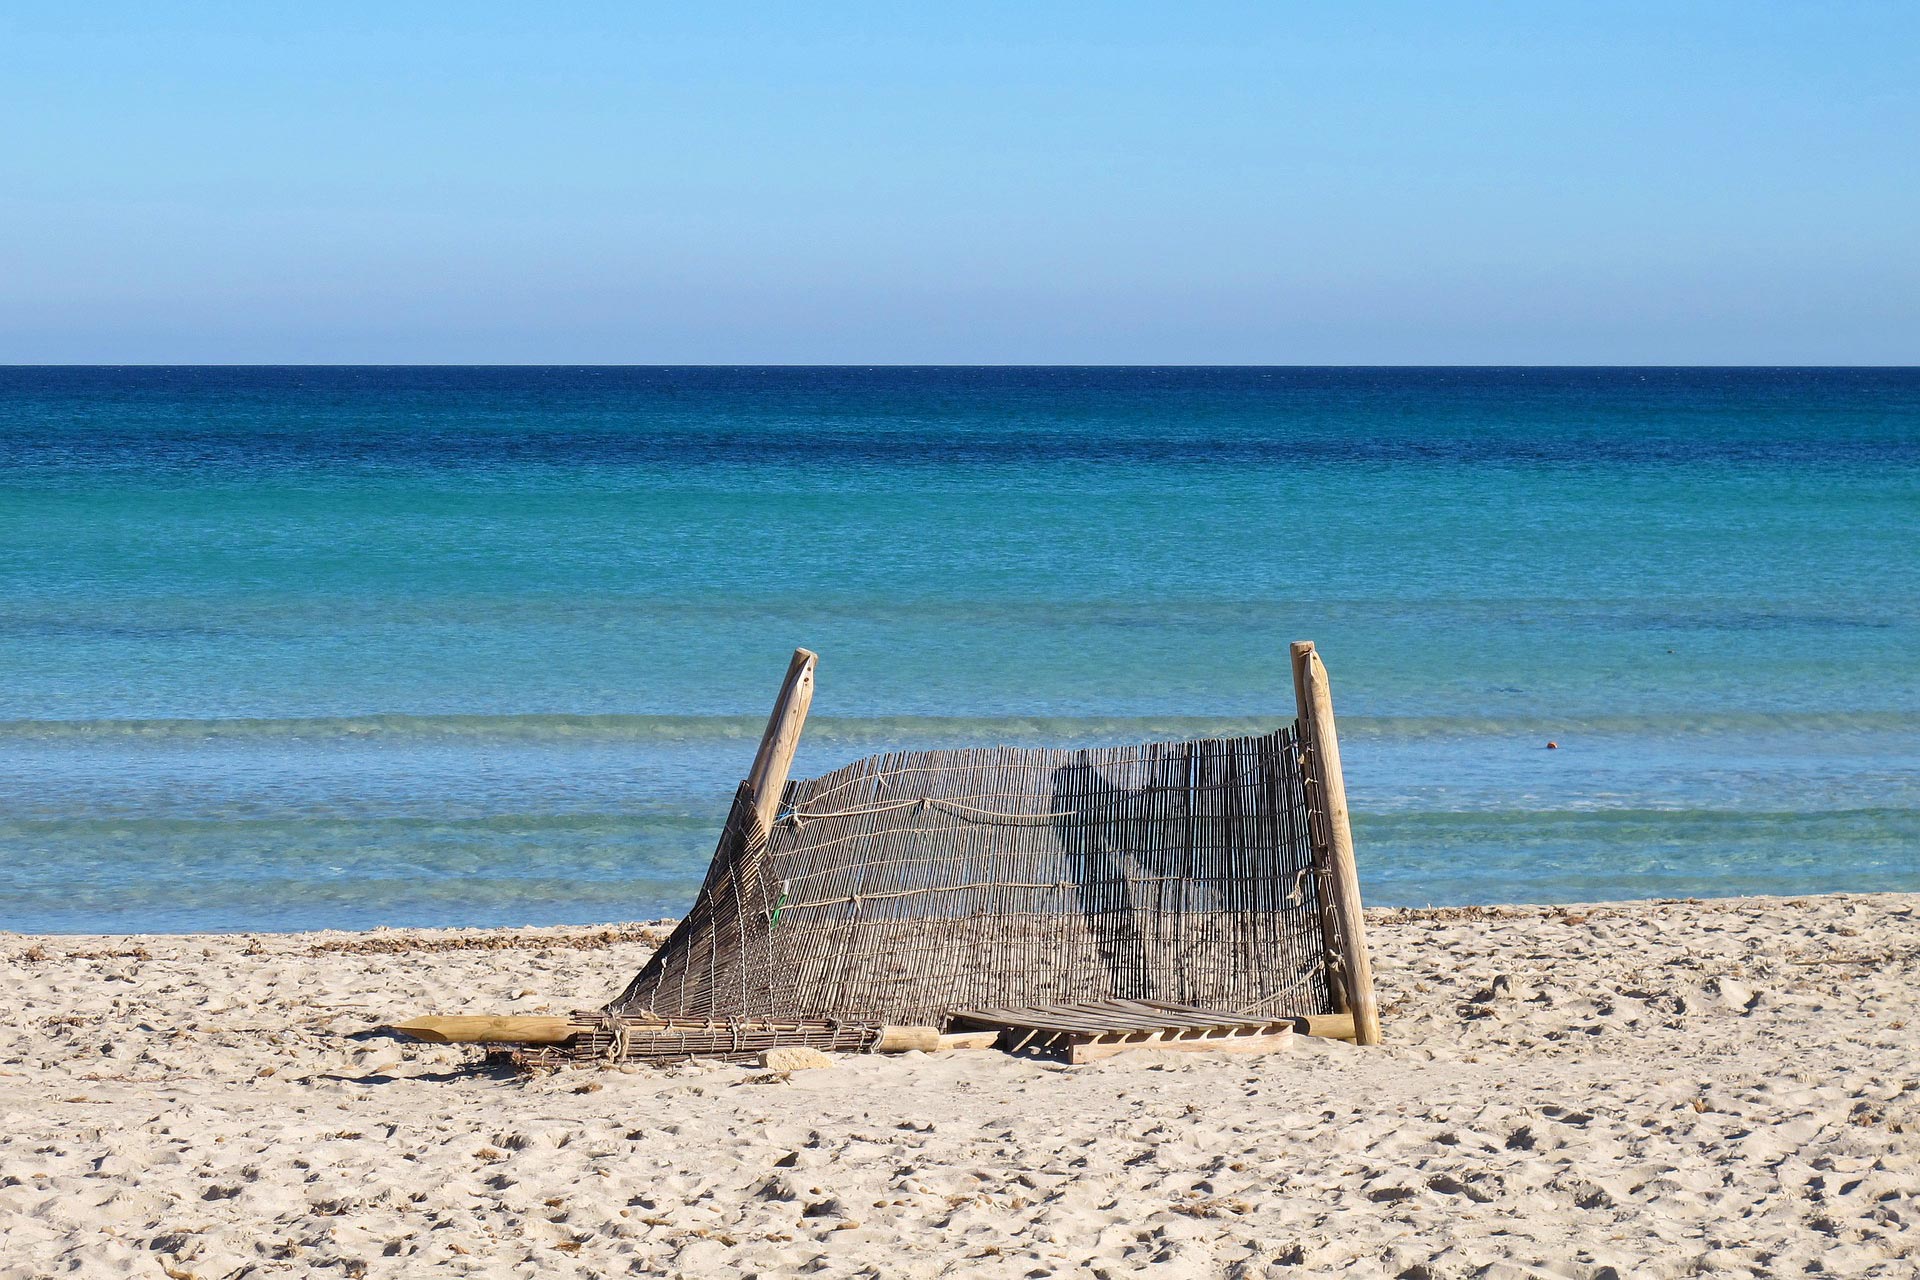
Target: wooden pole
1315, 700
768, 777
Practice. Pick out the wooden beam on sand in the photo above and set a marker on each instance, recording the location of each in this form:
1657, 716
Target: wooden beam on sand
1343, 889
768, 777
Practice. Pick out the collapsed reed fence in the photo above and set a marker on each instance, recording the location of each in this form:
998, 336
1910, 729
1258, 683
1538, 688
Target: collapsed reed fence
1215, 873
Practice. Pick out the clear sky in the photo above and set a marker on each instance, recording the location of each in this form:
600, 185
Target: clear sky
1351, 182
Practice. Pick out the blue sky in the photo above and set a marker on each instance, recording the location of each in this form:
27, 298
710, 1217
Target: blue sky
1208, 183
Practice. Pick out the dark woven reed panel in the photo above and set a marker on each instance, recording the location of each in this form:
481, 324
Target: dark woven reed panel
904, 886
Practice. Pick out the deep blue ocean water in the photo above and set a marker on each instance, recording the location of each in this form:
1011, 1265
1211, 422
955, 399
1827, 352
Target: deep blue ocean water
289, 648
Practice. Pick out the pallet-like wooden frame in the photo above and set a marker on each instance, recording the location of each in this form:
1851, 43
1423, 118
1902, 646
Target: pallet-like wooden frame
1102, 1028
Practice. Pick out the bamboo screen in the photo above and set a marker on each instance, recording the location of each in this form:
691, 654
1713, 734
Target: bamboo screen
904, 886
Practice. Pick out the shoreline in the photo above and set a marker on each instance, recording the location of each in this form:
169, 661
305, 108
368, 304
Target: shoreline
607, 933
1641, 1088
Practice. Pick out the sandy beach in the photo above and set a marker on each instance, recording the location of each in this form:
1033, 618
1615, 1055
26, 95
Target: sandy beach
1649, 1089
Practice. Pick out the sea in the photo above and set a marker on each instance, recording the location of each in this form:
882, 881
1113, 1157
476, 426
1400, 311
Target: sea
325, 647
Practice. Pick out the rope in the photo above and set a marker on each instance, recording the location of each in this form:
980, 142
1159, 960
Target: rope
797, 817
971, 759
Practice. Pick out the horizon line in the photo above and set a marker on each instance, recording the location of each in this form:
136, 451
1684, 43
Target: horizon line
443, 364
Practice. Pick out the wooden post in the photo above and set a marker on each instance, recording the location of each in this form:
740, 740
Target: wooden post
1331, 930
1315, 701
768, 778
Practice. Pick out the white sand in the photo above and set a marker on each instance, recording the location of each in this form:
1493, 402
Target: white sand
1624, 1090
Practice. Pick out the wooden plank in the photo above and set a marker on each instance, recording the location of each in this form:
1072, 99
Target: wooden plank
1169, 1006
1169, 1012
1111, 1014
1235, 1021
1101, 1021
1120, 1014
1326, 1026
1317, 700
1082, 1053
1042, 1018
1188, 1016
774, 760
1060, 1024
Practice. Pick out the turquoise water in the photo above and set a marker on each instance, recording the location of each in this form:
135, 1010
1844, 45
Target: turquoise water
304, 647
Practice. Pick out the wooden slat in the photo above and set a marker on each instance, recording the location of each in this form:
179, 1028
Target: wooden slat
1080, 1019
1103, 1017
1117, 1016
1041, 1019
1163, 1013
1186, 1015
1081, 1053
1068, 1023
1169, 1014
1167, 1006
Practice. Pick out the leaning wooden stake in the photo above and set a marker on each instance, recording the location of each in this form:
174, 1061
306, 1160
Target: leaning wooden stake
1316, 723
1331, 931
768, 777
489, 1029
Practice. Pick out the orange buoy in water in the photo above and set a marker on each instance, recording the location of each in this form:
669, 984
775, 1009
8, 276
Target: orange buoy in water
1553, 746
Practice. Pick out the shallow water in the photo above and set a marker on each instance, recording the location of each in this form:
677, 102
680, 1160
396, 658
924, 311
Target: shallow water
291, 648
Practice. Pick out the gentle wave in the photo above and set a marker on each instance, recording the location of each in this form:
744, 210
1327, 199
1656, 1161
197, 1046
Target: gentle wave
1600, 823
642, 729
188, 876
672, 729
1604, 825
247, 828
